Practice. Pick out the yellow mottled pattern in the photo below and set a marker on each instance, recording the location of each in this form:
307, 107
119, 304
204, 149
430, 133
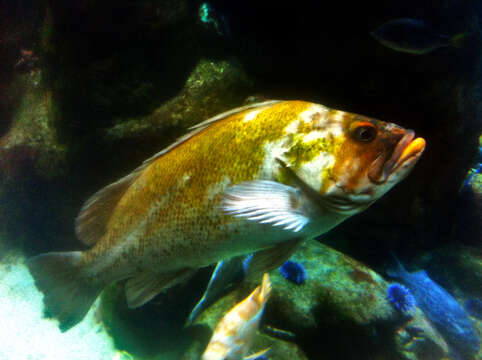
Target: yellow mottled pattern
171, 197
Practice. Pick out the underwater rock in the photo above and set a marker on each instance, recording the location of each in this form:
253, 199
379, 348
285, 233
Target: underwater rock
342, 302
417, 339
31, 142
31, 156
212, 87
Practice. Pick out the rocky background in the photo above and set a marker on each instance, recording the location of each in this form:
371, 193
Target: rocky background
89, 89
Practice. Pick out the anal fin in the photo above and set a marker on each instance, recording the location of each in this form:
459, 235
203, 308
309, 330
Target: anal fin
144, 286
266, 260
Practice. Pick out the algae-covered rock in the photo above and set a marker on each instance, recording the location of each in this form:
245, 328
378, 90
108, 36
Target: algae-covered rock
32, 160
212, 87
417, 339
31, 142
341, 307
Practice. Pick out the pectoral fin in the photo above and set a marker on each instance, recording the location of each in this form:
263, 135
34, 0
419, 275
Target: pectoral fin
266, 202
226, 272
144, 286
266, 260
257, 355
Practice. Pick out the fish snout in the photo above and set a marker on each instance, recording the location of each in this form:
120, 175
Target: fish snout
404, 156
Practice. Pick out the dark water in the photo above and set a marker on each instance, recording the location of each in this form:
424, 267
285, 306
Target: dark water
89, 90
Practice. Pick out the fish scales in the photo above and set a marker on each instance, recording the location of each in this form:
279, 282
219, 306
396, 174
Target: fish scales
257, 179
203, 162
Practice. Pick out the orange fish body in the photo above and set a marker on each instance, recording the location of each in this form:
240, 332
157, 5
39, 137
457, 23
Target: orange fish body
234, 334
246, 181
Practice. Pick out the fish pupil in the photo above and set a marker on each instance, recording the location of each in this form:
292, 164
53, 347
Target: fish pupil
365, 133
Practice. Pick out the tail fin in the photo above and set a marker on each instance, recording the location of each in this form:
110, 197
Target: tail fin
458, 40
264, 290
396, 270
67, 296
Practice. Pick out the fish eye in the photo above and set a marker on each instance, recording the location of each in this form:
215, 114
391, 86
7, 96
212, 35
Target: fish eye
365, 133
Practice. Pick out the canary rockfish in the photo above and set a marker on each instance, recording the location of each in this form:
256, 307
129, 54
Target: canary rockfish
234, 334
257, 179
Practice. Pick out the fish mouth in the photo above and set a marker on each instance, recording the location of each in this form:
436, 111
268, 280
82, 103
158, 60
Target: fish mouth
406, 153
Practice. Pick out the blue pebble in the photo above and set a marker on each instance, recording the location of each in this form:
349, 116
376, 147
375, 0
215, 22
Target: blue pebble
401, 298
293, 272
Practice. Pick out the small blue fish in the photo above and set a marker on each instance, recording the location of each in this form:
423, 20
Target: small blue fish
474, 307
413, 36
293, 272
441, 308
401, 298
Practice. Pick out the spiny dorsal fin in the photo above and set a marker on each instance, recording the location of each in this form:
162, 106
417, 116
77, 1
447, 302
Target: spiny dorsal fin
196, 129
91, 223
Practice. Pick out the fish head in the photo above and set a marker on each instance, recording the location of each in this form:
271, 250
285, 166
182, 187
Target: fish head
372, 158
357, 159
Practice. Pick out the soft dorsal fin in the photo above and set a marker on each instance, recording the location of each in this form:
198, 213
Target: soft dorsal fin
91, 222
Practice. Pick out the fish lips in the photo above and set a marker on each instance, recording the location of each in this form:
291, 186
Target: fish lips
407, 151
